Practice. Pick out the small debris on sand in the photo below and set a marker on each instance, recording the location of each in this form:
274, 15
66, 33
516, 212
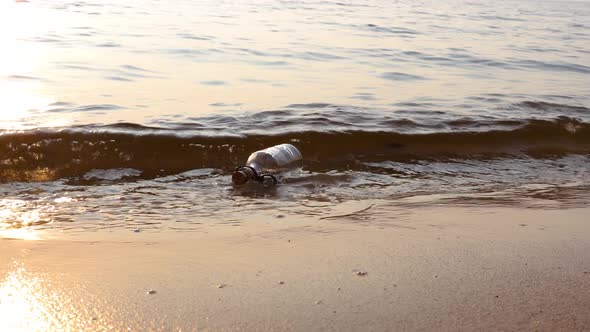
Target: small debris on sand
151, 292
221, 286
361, 273
136, 230
281, 282
318, 302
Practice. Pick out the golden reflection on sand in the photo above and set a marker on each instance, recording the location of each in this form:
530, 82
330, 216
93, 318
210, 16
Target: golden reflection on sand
28, 304
21, 304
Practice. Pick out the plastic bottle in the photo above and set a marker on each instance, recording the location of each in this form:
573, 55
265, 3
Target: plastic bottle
278, 156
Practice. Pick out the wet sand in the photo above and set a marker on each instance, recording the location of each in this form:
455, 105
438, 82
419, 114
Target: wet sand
387, 268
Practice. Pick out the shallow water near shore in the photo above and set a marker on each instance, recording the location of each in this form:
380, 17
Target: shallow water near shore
117, 116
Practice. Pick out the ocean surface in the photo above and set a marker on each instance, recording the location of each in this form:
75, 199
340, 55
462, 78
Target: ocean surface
116, 115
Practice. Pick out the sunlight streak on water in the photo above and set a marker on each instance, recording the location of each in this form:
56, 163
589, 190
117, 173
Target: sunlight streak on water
216, 57
17, 105
17, 218
20, 234
21, 89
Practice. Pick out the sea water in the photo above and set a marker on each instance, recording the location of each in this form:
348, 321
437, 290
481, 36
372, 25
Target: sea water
115, 115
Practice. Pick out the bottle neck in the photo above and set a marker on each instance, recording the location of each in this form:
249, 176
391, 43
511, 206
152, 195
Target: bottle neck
256, 167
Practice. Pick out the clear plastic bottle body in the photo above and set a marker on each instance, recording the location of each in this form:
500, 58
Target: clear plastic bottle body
274, 157
266, 160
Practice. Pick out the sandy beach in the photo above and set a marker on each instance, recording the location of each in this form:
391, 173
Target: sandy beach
383, 269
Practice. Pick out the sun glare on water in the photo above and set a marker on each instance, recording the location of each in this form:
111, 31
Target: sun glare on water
17, 106
20, 86
16, 220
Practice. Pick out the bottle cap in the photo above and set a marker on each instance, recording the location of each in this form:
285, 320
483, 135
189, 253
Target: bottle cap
243, 174
239, 177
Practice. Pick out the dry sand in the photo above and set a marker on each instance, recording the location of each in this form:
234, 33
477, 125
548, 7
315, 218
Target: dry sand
384, 269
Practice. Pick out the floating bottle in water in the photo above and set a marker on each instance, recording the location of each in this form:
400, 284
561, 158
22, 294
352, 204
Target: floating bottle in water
269, 159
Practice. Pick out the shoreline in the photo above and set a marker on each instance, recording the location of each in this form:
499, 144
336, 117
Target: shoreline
438, 268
